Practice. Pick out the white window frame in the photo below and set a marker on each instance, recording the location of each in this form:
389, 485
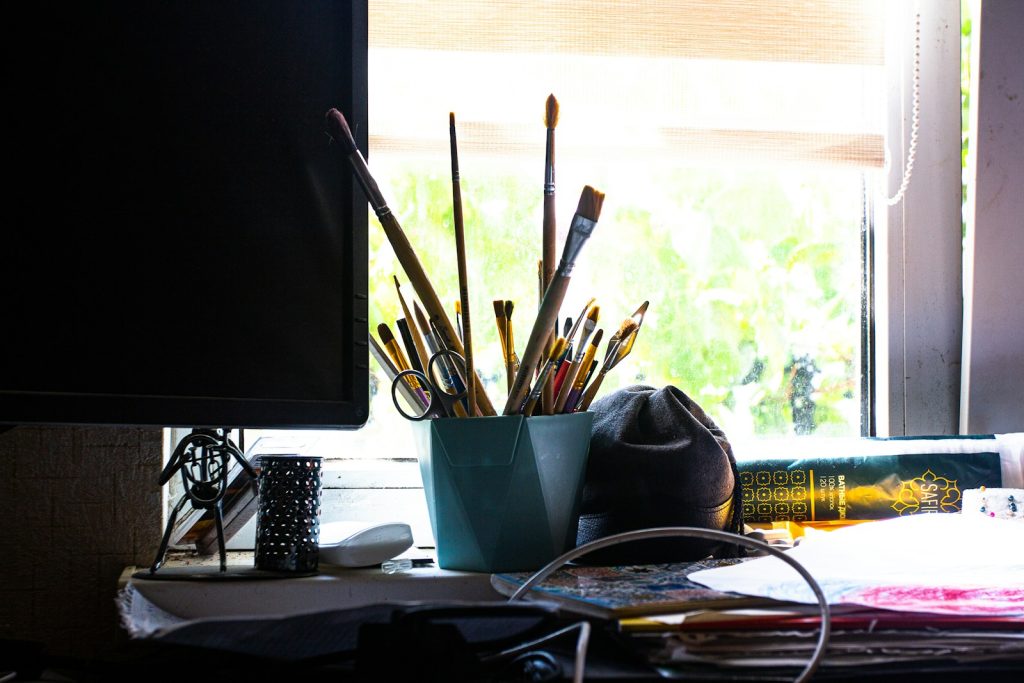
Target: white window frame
918, 253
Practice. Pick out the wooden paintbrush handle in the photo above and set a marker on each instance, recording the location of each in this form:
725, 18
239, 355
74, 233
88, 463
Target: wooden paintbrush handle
549, 248
547, 400
340, 132
588, 397
536, 346
563, 391
425, 291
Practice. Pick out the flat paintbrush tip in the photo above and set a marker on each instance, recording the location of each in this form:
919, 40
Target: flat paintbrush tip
499, 309
385, 334
598, 336
551, 112
593, 313
508, 309
590, 203
337, 128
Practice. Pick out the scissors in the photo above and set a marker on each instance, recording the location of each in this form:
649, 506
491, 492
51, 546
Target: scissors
442, 398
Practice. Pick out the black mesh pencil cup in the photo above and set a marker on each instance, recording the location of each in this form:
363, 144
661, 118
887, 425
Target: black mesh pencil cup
288, 518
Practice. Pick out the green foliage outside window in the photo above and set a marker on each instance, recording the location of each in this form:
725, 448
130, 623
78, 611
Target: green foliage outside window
753, 278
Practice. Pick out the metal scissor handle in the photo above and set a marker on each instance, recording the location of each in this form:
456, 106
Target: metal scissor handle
435, 397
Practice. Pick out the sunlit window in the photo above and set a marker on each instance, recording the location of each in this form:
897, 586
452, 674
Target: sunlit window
733, 159
734, 142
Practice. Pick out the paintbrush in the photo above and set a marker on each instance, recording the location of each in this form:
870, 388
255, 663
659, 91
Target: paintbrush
580, 319
392, 373
512, 365
424, 326
449, 377
567, 385
557, 349
499, 320
583, 223
502, 323
540, 282
460, 255
456, 371
405, 333
442, 366
614, 344
458, 319
573, 397
395, 351
414, 333
619, 347
340, 133
590, 371
549, 231
563, 363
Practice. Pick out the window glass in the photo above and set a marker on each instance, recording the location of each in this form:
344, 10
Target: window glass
733, 161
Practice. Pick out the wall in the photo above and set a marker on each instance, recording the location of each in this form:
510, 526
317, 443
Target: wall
76, 506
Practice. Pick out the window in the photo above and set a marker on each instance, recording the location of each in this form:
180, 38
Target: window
740, 146
733, 160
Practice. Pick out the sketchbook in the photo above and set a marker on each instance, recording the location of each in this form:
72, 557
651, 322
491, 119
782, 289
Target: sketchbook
630, 590
959, 565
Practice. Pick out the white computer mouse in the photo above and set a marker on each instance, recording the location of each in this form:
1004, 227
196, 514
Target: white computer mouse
362, 544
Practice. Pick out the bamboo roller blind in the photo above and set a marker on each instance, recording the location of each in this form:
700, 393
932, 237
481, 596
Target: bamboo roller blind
796, 81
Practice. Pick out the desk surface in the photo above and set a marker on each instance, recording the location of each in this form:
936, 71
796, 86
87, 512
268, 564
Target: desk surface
336, 588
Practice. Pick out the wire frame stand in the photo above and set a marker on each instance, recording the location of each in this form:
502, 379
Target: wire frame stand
203, 459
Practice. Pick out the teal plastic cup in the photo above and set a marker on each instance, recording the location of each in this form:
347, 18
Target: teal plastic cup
503, 493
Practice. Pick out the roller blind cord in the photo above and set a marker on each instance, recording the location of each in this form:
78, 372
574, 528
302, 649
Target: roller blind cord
915, 114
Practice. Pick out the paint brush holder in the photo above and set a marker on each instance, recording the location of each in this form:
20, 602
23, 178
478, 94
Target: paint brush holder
503, 493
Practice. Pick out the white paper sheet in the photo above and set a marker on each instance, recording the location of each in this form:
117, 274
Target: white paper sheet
941, 563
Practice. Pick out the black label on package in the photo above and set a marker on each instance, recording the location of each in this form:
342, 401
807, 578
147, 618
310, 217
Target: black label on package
862, 487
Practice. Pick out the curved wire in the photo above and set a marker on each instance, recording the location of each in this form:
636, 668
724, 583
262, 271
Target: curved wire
708, 534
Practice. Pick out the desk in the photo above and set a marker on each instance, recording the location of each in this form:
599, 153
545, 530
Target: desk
340, 589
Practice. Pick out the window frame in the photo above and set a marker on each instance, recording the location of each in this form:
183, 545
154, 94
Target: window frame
918, 300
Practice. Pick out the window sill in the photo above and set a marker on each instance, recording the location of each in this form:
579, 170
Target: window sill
333, 588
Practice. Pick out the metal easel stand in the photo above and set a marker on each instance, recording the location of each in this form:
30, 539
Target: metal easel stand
203, 458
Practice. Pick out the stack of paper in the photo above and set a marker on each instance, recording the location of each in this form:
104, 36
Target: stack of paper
942, 592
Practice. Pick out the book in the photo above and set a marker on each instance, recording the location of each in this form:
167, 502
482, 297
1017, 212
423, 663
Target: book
630, 590
838, 489
808, 618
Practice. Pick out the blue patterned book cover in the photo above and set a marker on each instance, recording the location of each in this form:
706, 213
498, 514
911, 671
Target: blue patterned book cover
630, 590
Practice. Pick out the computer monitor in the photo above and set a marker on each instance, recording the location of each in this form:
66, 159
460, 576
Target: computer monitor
181, 247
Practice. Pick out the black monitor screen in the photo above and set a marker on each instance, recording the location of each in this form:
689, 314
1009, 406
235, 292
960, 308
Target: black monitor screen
181, 246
